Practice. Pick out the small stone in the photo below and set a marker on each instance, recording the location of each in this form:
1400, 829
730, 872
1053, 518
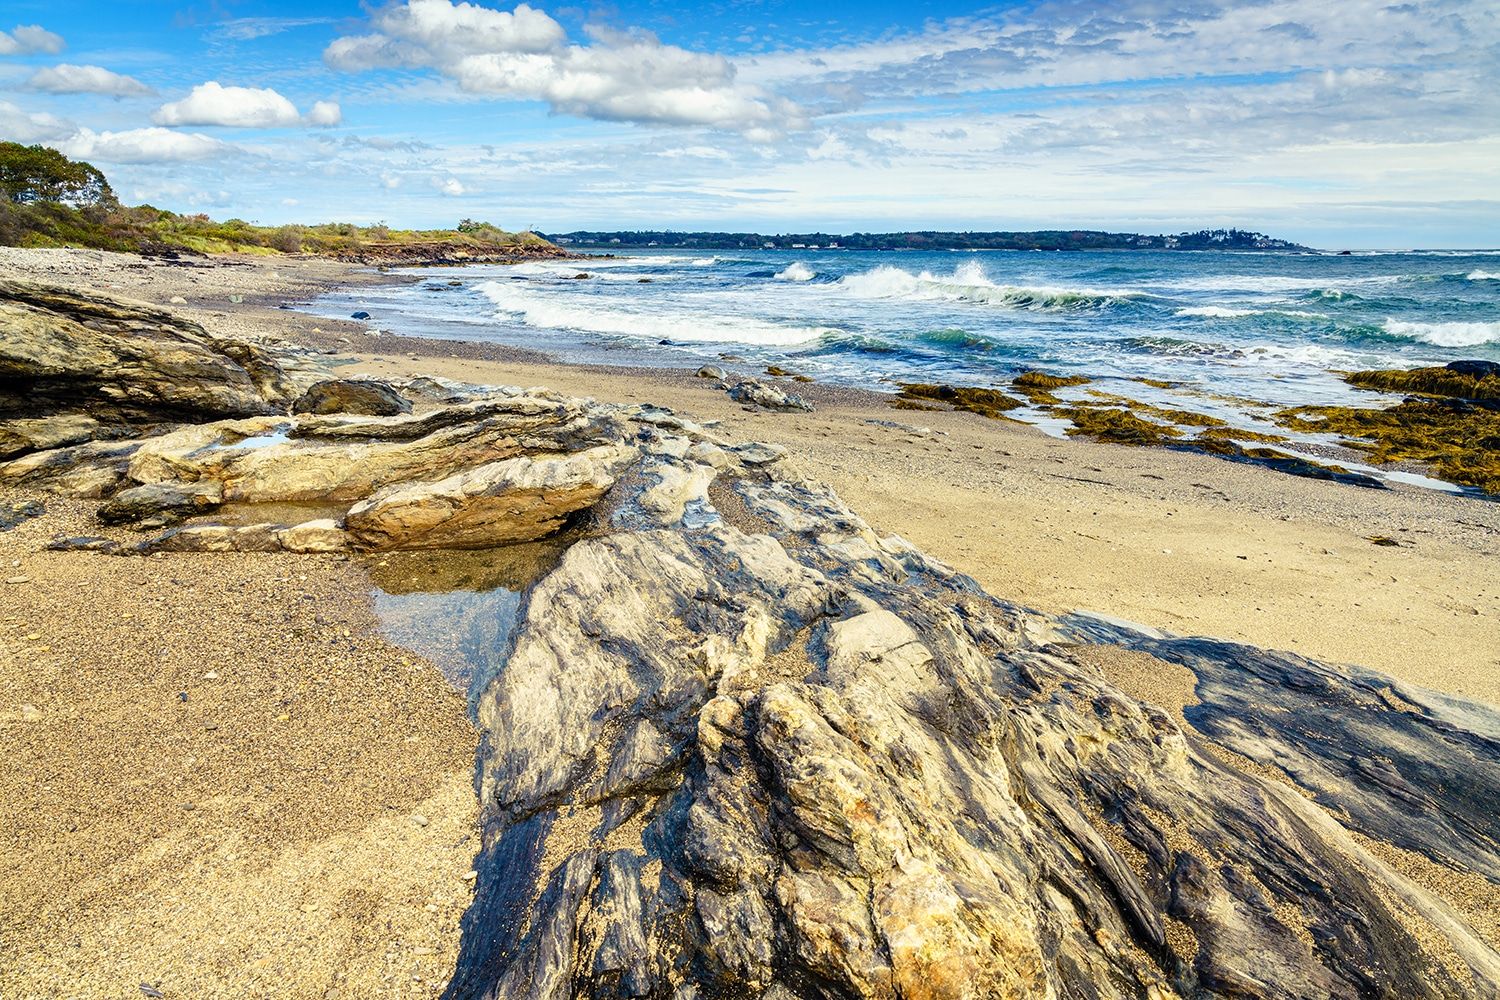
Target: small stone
188, 806
470, 875
211, 676
18, 579
30, 713
431, 908
283, 717
419, 819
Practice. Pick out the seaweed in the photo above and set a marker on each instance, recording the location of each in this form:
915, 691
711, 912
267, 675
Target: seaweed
1459, 441
1453, 382
1038, 386
985, 402
1116, 425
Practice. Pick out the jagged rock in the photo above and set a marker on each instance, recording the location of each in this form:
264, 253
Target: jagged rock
179, 499
320, 536
758, 393
814, 763
360, 396
514, 500
118, 360
22, 435
16, 512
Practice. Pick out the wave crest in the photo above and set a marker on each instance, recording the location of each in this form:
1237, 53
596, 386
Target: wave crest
1454, 334
796, 271
969, 283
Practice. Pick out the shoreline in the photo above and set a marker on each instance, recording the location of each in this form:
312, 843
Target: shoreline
289, 804
1189, 543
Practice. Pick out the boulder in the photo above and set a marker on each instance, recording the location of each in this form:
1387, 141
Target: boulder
758, 393
515, 500
711, 371
26, 434
176, 499
116, 360
358, 396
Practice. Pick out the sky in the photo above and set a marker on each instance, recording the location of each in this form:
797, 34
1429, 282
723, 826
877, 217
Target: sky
1339, 123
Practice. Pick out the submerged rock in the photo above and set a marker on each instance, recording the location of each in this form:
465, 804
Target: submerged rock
359, 396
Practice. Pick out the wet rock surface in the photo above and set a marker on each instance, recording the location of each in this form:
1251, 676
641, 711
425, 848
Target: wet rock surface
754, 392
743, 746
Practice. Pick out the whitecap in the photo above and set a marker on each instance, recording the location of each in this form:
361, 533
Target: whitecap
1483, 275
553, 312
970, 283
1454, 334
796, 271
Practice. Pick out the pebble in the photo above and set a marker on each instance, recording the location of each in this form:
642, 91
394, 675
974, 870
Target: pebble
30, 713
18, 579
470, 875
211, 676
419, 819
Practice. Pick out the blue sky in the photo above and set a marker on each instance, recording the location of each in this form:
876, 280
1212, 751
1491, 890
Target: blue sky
1356, 123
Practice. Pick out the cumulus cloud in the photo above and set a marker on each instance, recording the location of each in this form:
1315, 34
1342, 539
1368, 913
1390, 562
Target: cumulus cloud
212, 103
18, 125
450, 186
66, 78
524, 54
29, 39
142, 145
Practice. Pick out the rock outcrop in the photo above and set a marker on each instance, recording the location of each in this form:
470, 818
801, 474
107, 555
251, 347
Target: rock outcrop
743, 746
117, 361
362, 396
515, 500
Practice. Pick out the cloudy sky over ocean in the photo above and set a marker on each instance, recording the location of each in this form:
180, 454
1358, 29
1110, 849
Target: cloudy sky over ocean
1358, 123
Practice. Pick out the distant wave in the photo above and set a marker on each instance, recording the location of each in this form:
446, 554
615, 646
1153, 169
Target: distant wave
969, 283
796, 271
542, 311
1456, 334
1225, 312
1483, 276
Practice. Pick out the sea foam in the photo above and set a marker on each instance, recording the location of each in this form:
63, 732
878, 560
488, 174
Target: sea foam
1446, 334
970, 283
796, 271
539, 309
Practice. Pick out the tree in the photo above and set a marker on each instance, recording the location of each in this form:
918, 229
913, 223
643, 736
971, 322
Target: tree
31, 174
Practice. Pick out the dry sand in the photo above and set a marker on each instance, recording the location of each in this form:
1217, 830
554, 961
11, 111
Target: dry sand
300, 869
213, 769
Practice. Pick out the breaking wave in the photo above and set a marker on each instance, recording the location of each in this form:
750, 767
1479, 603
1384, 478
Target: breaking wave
1454, 334
969, 283
544, 312
1483, 276
796, 271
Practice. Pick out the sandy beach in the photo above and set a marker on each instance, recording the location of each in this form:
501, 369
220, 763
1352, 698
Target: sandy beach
266, 744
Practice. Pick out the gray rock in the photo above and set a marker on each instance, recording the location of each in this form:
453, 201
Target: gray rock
358, 396
180, 499
711, 371
758, 393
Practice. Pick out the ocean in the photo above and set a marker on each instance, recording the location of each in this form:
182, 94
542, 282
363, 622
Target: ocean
1233, 332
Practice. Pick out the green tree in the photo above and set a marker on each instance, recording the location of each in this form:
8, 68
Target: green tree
32, 174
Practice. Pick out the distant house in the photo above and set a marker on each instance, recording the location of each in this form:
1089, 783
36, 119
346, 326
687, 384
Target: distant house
769, 245
799, 246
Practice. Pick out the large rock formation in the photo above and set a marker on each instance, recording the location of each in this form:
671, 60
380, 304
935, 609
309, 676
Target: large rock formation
68, 351
743, 746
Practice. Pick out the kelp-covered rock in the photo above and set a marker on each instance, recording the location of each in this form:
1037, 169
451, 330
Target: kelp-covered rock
757, 393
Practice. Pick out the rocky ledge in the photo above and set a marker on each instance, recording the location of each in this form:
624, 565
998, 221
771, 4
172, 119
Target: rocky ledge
744, 746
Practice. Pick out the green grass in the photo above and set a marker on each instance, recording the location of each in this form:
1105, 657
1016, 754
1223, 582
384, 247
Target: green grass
148, 229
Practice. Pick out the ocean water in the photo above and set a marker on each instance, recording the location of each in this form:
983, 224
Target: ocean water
1235, 331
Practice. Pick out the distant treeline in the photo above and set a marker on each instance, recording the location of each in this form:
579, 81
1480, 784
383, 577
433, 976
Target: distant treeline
1049, 239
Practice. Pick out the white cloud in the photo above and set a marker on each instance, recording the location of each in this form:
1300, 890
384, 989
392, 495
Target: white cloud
18, 125
66, 78
450, 186
142, 145
212, 103
28, 39
325, 114
523, 54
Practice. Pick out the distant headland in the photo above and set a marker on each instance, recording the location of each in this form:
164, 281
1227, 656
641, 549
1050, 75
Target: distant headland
1047, 239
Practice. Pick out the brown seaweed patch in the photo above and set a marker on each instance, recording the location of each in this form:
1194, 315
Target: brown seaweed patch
1038, 386
1186, 418
1223, 432
1457, 441
1116, 425
985, 402
1430, 382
